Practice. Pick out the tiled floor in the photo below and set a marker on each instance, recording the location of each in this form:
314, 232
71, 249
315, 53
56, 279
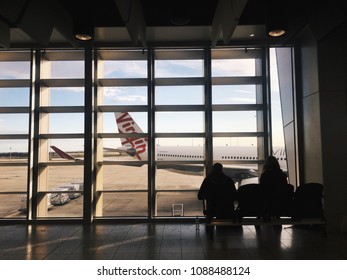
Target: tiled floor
166, 241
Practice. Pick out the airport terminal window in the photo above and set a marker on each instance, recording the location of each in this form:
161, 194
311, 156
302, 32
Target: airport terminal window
134, 95
188, 108
63, 69
236, 89
66, 96
61, 124
14, 70
72, 180
179, 95
243, 67
113, 123
235, 141
234, 121
125, 68
124, 204
183, 68
234, 94
66, 123
14, 97
72, 146
14, 124
179, 122
122, 172
13, 184
179, 149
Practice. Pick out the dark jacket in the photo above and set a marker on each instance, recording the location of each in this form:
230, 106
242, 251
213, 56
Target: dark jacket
276, 193
219, 192
272, 180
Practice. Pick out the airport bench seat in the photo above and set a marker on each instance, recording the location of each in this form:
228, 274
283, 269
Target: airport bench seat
253, 221
304, 207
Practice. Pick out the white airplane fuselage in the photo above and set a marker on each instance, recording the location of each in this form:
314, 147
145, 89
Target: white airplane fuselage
220, 154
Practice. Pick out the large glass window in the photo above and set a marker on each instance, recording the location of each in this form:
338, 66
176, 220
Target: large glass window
237, 112
14, 97
234, 94
179, 125
179, 95
66, 96
61, 127
14, 125
159, 121
122, 125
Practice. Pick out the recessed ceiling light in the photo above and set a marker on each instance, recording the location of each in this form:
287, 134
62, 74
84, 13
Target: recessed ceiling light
277, 32
83, 37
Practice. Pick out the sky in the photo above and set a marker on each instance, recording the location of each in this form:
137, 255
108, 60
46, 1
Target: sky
244, 121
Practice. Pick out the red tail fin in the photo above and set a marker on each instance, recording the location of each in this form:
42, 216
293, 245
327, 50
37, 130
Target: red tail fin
126, 124
62, 154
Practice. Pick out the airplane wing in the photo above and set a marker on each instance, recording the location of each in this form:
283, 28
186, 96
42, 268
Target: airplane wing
123, 149
64, 155
189, 169
240, 172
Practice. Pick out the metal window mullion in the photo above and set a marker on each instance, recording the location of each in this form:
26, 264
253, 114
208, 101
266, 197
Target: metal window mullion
88, 136
32, 196
267, 102
208, 110
151, 132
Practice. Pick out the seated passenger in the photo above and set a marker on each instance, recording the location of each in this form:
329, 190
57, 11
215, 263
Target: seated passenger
275, 189
219, 192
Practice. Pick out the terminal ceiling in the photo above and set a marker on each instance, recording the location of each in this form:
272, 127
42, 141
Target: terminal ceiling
150, 23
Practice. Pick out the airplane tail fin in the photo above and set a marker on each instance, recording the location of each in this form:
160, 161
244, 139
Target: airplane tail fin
126, 124
62, 154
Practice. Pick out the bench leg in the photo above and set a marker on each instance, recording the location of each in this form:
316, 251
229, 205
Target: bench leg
209, 231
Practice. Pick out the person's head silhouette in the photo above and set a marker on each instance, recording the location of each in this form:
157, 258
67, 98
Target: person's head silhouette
217, 169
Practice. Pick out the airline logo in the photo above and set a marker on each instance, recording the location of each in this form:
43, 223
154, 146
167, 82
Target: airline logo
126, 124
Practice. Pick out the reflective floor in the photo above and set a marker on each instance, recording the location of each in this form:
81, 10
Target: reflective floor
166, 241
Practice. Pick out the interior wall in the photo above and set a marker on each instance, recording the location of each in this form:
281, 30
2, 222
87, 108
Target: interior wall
323, 107
308, 109
332, 65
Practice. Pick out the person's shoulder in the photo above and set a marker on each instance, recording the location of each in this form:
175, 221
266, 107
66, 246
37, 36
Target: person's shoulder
229, 179
208, 178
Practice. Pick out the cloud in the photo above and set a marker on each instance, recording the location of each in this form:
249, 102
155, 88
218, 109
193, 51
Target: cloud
66, 69
122, 95
127, 69
15, 70
242, 100
11, 124
179, 68
233, 67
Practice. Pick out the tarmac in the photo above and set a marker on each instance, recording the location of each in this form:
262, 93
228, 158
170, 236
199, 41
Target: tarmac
130, 196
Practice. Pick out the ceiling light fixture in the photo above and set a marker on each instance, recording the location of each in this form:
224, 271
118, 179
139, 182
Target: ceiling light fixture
276, 32
83, 37
276, 26
83, 29
276, 20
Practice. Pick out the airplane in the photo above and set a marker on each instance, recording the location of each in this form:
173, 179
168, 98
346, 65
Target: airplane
137, 147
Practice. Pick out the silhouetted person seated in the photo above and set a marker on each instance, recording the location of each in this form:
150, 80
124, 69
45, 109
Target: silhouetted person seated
219, 192
277, 194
